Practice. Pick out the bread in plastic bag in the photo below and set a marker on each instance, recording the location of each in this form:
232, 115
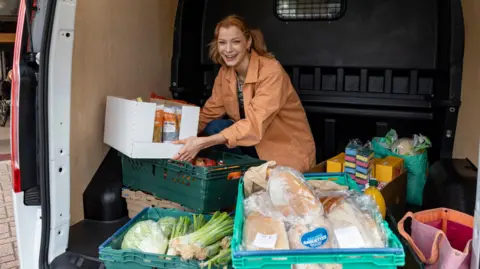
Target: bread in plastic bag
291, 195
259, 202
314, 233
264, 233
357, 222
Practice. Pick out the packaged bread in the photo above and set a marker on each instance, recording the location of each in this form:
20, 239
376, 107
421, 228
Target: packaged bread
264, 233
259, 202
158, 124
317, 234
291, 195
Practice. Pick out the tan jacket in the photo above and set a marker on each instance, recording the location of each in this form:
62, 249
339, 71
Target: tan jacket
275, 120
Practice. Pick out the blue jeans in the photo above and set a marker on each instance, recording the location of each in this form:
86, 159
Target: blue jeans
216, 126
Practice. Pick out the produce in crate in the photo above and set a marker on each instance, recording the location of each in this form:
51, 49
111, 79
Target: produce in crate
190, 238
146, 236
193, 244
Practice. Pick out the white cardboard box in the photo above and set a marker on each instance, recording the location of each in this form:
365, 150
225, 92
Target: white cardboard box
129, 128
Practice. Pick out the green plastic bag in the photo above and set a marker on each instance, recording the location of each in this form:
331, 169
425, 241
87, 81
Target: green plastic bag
416, 166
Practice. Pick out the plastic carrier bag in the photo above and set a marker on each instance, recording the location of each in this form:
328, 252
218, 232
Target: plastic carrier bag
413, 151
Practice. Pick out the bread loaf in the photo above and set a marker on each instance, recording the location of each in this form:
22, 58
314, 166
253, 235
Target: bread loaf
264, 233
291, 195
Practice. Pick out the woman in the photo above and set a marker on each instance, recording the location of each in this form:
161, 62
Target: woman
266, 117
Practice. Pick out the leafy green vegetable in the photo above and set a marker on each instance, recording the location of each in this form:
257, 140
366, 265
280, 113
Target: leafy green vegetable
146, 236
167, 224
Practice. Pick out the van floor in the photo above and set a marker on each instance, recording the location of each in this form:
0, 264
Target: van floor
84, 241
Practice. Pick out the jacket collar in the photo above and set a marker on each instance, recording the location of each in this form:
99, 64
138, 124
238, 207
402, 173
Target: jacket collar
252, 71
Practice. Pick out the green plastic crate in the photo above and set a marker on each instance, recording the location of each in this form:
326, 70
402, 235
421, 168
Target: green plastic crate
383, 258
203, 189
115, 258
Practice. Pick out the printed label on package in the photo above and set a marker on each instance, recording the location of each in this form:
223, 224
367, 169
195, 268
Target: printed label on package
315, 238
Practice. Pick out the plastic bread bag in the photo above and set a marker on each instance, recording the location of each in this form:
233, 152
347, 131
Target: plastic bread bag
325, 185
264, 233
330, 199
357, 222
316, 234
291, 195
259, 202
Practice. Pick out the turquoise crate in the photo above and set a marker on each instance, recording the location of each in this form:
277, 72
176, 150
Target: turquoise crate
115, 258
383, 258
203, 189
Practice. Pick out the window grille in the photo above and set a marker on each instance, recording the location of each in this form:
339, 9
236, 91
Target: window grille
309, 9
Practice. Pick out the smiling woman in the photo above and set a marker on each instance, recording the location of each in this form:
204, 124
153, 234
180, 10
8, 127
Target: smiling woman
266, 119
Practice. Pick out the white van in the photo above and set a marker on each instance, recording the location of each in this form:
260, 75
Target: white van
360, 68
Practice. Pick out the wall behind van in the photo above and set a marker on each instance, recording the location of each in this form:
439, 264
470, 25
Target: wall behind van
122, 48
468, 127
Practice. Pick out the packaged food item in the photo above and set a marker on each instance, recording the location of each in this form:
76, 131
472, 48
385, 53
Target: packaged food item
178, 114
357, 222
388, 169
170, 131
259, 202
158, 124
264, 233
291, 195
326, 185
335, 164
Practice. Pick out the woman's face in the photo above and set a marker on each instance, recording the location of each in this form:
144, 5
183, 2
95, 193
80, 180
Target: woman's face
233, 46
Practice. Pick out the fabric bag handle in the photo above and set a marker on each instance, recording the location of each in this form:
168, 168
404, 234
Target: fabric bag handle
435, 253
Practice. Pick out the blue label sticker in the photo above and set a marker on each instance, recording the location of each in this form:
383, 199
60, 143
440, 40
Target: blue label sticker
315, 238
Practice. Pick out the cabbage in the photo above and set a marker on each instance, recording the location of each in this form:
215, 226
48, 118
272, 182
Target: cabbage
146, 236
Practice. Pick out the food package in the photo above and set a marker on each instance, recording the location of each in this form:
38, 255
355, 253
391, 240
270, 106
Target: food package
357, 222
326, 185
170, 130
388, 169
291, 195
335, 164
255, 178
259, 202
264, 233
317, 234
178, 114
158, 124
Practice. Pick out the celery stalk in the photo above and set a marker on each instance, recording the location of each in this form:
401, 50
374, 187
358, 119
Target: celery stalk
222, 258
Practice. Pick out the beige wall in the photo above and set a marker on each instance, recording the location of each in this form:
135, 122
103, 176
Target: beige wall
468, 127
122, 48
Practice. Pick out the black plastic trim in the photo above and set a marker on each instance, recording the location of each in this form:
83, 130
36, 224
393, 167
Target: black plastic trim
42, 132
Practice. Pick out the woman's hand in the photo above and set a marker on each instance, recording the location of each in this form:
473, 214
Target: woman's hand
193, 145
189, 151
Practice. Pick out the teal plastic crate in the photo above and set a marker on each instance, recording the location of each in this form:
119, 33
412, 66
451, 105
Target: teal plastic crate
203, 189
383, 258
115, 258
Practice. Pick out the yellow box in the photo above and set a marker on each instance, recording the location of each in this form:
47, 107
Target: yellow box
336, 164
374, 165
388, 169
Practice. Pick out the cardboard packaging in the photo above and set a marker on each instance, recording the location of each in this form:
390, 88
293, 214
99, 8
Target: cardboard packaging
129, 127
336, 164
388, 169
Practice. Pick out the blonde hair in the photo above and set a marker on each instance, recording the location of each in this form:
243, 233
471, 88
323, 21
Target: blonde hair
258, 42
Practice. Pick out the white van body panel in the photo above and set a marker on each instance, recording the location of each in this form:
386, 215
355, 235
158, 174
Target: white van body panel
59, 86
29, 231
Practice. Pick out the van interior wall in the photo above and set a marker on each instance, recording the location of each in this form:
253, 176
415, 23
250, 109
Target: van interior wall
468, 126
122, 48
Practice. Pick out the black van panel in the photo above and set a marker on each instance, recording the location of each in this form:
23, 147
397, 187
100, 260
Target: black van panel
371, 33
380, 65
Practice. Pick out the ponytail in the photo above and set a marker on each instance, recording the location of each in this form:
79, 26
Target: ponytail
258, 43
